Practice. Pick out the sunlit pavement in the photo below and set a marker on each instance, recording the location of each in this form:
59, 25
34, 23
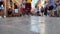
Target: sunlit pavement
30, 25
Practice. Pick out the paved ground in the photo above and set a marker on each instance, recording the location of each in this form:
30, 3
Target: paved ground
30, 25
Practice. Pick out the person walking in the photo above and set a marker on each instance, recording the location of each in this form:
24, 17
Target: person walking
2, 8
51, 6
55, 10
58, 7
45, 8
35, 11
42, 11
10, 12
21, 10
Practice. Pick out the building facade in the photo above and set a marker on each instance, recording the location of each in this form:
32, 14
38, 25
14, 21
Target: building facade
10, 3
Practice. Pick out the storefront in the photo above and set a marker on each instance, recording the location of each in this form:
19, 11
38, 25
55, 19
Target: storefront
12, 4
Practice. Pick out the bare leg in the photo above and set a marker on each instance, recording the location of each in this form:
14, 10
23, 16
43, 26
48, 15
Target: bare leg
51, 13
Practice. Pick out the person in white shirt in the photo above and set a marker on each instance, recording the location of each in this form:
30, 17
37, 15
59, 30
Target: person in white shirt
35, 10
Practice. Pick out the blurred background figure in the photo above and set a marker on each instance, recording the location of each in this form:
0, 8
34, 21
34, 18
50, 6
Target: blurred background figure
35, 11
2, 9
45, 8
21, 10
51, 6
10, 11
55, 10
42, 11
58, 7
28, 7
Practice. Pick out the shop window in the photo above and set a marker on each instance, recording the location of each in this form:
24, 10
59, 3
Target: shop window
11, 3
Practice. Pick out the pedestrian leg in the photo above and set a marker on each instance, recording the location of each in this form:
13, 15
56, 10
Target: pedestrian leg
59, 13
51, 13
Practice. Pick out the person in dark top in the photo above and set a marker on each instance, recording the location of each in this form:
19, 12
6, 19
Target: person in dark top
42, 11
45, 8
15, 6
10, 11
45, 11
51, 6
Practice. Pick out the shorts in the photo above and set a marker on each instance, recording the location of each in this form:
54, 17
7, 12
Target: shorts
51, 7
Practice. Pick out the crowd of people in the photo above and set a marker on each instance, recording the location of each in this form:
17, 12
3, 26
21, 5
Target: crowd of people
50, 9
